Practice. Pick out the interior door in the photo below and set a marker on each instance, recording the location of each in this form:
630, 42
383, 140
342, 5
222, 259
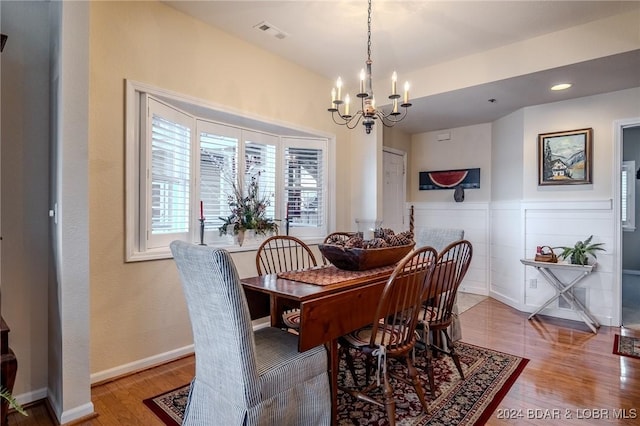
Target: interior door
394, 189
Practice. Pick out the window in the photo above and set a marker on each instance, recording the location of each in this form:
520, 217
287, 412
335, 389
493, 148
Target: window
303, 185
167, 174
177, 159
628, 189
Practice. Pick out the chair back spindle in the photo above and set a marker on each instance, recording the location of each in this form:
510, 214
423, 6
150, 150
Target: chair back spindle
281, 253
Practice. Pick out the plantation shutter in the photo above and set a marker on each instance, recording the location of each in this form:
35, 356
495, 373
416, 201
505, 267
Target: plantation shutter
628, 195
305, 185
260, 163
168, 174
219, 146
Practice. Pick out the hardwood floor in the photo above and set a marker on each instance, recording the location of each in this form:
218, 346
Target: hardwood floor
572, 376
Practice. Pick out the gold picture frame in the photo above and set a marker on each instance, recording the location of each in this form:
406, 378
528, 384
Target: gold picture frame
564, 158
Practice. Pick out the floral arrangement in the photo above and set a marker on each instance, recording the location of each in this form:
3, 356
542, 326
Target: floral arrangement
248, 211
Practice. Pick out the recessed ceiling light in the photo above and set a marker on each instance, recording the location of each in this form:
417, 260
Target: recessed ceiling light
561, 86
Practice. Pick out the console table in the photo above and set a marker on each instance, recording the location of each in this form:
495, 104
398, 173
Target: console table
563, 288
9, 368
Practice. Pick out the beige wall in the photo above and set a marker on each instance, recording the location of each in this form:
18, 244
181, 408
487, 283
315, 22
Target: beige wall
468, 148
597, 112
138, 309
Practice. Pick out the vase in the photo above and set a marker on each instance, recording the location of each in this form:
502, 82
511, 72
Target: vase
240, 237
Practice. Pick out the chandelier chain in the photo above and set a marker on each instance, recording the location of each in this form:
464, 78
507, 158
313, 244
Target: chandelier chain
369, 32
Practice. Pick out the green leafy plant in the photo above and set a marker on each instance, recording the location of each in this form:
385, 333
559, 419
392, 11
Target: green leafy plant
579, 254
6, 395
248, 211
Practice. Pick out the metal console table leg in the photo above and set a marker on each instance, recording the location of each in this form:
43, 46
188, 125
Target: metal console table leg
563, 289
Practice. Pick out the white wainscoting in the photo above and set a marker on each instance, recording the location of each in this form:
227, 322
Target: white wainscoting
506, 248
474, 219
504, 232
562, 223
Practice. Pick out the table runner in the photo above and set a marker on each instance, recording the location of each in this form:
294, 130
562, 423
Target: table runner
327, 275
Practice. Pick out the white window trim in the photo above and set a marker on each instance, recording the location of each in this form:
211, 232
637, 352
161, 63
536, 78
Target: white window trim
134, 249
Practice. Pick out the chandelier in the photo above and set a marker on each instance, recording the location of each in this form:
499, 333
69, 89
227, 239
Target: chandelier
368, 112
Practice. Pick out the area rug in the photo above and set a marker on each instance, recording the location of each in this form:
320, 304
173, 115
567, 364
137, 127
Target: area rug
488, 374
626, 346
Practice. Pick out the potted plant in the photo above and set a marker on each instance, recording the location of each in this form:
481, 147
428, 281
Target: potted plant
579, 254
248, 212
6, 395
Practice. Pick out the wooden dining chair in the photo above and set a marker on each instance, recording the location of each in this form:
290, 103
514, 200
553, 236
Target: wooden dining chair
281, 253
244, 376
339, 238
392, 333
438, 305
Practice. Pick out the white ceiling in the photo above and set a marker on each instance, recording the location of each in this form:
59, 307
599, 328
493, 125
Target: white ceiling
330, 37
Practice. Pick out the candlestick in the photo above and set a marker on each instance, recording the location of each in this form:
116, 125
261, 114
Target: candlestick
201, 210
202, 231
411, 221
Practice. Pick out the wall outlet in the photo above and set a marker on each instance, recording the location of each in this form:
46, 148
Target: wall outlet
533, 283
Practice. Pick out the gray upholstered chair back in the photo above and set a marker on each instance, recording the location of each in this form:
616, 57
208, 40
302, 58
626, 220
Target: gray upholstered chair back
222, 330
438, 238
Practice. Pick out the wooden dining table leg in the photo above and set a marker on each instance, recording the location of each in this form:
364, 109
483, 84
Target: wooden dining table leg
333, 378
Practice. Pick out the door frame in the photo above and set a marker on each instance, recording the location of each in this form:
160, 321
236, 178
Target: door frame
618, 127
404, 179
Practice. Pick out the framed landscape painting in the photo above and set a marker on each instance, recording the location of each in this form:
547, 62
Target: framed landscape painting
564, 158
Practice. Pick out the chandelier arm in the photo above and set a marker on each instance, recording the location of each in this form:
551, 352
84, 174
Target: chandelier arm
393, 118
357, 119
346, 122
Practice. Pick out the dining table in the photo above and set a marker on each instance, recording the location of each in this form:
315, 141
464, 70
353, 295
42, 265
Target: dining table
332, 302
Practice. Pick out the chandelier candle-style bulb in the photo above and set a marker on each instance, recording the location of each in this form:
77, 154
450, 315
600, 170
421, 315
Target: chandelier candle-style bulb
339, 86
347, 101
406, 95
394, 84
362, 81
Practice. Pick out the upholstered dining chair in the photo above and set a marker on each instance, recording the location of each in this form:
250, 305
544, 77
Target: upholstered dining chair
392, 333
244, 377
281, 253
440, 238
437, 312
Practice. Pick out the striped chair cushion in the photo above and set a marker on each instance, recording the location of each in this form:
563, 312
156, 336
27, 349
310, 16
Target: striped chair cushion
362, 337
292, 319
429, 313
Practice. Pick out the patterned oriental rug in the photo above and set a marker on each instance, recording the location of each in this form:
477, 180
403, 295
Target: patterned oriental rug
488, 374
626, 346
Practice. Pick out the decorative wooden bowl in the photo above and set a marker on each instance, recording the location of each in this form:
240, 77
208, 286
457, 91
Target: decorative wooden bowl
359, 259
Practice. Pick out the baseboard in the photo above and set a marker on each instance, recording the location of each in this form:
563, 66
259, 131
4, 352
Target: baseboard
33, 396
77, 414
155, 360
142, 364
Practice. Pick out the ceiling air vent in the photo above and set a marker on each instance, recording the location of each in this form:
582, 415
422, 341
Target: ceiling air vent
271, 30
